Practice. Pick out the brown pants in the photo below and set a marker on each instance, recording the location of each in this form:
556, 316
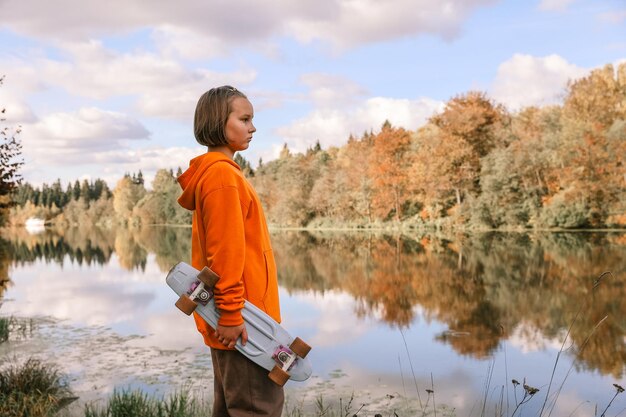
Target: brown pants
242, 388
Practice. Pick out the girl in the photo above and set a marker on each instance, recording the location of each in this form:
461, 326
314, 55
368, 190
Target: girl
230, 236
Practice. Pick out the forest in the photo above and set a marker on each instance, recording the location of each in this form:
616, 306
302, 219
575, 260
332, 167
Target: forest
474, 165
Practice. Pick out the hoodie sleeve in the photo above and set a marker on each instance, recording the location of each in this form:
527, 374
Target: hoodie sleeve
222, 216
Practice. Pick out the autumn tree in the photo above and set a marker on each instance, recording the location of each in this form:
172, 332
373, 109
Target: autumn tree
516, 179
599, 98
284, 185
353, 163
326, 199
390, 159
10, 163
245, 166
343, 190
589, 177
160, 205
467, 130
126, 194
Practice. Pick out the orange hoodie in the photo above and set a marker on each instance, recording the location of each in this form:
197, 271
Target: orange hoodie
229, 235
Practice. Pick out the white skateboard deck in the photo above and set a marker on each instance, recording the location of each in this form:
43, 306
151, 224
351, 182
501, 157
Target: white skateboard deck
268, 342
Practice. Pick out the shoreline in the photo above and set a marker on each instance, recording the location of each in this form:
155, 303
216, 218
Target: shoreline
426, 229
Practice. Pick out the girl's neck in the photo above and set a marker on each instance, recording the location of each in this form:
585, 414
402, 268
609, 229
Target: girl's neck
225, 150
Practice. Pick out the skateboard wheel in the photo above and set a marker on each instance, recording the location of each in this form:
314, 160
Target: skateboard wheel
208, 277
186, 304
278, 376
299, 347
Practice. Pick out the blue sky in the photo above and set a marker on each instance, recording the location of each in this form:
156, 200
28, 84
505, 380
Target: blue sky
105, 88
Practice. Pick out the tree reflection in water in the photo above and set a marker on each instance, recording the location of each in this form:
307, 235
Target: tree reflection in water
5, 260
485, 288
96, 246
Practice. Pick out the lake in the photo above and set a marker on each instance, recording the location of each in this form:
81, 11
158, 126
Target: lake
395, 320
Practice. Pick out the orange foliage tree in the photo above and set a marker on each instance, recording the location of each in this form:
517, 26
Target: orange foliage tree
466, 131
390, 159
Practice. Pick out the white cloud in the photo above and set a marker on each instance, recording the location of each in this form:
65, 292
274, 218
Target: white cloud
108, 165
86, 130
91, 70
139, 84
186, 43
617, 17
340, 110
95, 141
160, 86
525, 80
332, 126
149, 160
363, 21
554, 5
191, 44
409, 114
342, 22
328, 90
63, 140
16, 111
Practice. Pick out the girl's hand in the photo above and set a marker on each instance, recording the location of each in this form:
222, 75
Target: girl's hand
228, 335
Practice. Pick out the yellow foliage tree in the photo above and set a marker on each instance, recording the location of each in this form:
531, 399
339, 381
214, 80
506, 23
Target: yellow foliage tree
126, 195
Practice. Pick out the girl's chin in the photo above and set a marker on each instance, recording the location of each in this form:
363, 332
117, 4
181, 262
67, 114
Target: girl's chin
241, 147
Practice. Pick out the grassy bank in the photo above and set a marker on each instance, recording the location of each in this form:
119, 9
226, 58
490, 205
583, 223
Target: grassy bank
131, 403
32, 389
35, 389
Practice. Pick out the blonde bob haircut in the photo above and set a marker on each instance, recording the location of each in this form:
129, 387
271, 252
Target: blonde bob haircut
211, 115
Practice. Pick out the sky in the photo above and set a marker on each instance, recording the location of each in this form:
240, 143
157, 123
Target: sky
101, 89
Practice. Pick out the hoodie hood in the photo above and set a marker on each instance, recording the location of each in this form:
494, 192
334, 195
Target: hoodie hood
190, 179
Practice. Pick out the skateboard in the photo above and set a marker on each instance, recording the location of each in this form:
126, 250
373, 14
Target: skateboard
269, 344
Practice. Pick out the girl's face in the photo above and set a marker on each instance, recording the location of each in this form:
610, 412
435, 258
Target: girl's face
239, 127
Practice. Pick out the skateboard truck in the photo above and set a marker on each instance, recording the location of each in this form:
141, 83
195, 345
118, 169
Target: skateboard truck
200, 292
285, 357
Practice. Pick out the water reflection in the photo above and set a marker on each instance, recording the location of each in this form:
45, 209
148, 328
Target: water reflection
484, 289
96, 246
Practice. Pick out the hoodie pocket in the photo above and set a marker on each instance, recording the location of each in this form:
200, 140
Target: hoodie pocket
270, 272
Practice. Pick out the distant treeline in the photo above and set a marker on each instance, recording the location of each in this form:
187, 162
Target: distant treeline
94, 203
475, 165
50, 196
